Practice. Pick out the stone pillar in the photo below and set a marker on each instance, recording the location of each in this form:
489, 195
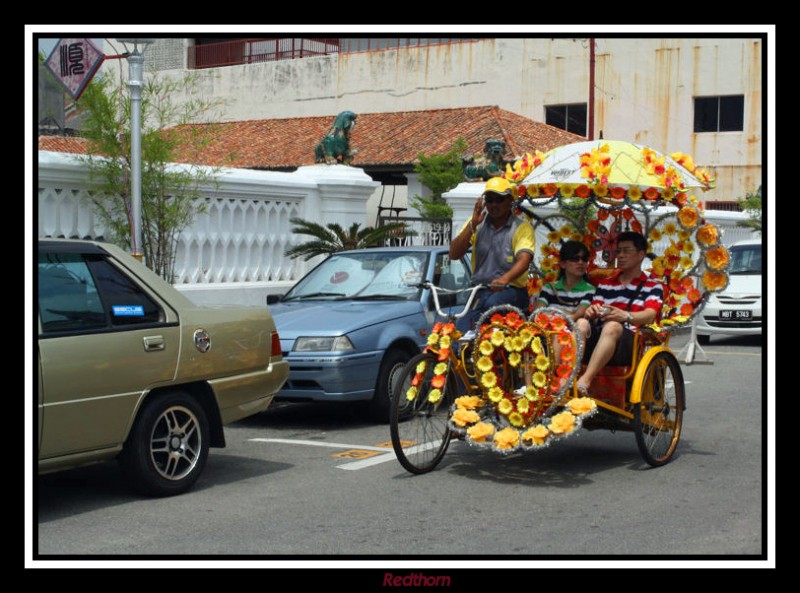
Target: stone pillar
462, 200
343, 193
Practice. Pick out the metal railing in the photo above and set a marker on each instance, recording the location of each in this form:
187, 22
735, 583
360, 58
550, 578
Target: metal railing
250, 51
362, 44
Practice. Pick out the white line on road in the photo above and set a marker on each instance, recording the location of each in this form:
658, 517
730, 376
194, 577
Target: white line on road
319, 444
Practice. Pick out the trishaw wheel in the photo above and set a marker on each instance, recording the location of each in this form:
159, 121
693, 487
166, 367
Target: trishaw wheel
419, 427
658, 417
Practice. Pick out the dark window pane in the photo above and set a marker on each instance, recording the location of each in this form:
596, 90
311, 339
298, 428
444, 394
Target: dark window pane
705, 114
576, 119
731, 113
556, 115
122, 298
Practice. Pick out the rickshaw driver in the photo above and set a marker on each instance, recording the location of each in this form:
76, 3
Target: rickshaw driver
627, 299
502, 250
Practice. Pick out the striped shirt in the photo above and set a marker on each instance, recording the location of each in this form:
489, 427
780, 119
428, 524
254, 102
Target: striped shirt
611, 292
556, 294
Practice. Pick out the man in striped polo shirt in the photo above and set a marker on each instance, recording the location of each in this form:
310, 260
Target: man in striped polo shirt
627, 299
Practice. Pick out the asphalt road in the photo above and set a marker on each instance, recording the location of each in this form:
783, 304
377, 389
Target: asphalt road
311, 483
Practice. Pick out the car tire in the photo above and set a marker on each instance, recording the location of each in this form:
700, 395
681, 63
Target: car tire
167, 448
391, 370
703, 340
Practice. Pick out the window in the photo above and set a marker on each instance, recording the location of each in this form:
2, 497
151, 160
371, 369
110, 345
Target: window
719, 114
571, 117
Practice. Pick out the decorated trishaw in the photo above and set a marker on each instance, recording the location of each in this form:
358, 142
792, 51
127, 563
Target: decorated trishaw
513, 386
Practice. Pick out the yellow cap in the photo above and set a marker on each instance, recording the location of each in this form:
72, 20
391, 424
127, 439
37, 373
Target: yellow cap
500, 185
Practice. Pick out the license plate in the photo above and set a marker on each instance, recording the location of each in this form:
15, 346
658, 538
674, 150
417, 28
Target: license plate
735, 314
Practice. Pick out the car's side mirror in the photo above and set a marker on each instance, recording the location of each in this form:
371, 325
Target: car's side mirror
273, 298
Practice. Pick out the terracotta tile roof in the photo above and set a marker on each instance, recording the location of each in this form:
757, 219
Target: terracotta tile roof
382, 139
68, 144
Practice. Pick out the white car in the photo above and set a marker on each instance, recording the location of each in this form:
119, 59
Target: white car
736, 311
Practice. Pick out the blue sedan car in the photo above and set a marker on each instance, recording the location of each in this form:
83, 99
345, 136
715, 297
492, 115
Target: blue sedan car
350, 325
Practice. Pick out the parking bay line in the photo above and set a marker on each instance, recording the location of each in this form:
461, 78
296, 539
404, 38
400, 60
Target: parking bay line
353, 465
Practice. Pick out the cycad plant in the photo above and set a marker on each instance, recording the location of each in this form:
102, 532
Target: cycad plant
333, 237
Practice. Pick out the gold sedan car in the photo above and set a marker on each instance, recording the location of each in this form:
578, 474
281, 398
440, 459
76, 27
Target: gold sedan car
129, 368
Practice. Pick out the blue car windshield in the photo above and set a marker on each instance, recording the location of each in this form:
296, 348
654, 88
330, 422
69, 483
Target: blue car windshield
364, 275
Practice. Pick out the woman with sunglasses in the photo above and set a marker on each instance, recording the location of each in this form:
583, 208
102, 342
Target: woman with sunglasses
572, 292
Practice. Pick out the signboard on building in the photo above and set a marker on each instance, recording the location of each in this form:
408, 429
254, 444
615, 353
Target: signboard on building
74, 62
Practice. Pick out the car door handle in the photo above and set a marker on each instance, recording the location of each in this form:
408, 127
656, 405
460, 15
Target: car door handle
152, 343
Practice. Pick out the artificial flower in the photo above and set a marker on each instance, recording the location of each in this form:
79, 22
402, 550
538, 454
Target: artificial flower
717, 258
523, 405
533, 191
496, 394
498, 338
708, 235
562, 423
411, 394
550, 189
714, 280
567, 190
567, 354
688, 216
505, 406
444, 353
686, 262
447, 329
634, 193
462, 417
539, 379
444, 342
514, 359
687, 309
537, 435
468, 402
433, 339
416, 380
581, 405
688, 247
564, 338
434, 395
565, 231
694, 295
670, 228
531, 393
563, 371
655, 235
618, 193
525, 335
508, 438
668, 194
542, 362
489, 380
536, 345
440, 369
600, 190
421, 366
651, 193
508, 344
480, 431
484, 364
583, 191
516, 419
438, 381
486, 347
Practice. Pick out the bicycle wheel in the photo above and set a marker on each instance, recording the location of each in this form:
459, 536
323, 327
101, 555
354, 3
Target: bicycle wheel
419, 429
658, 417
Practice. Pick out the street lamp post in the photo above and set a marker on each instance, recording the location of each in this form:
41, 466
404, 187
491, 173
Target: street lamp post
135, 82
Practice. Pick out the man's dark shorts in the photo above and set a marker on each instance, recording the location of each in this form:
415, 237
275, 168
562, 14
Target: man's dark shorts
622, 355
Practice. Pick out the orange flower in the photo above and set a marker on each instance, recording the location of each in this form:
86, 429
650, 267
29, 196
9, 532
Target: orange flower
680, 199
562, 423
436, 327
707, 235
717, 258
496, 318
480, 431
687, 282
462, 417
675, 285
651, 193
618, 193
687, 309
563, 371
688, 216
438, 381
636, 226
443, 354
536, 435
550, 189
582, 191
714, 280
542, 320
448, 328
567, 354
564, 338
417, 378
694, 295
558, 323
602, 214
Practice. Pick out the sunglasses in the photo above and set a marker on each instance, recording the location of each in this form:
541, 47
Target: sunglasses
578, 258
493, 198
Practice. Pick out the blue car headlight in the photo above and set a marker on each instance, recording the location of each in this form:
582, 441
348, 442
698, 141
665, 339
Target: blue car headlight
323, 344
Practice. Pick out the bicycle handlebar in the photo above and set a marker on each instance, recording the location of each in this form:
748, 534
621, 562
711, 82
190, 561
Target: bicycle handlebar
435, 290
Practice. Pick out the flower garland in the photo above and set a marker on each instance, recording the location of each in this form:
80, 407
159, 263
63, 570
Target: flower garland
522, 168
439, 343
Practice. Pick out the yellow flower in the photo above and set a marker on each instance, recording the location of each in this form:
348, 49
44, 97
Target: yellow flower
668, 194
525, 335
600, 190
688, 216
655, 235
507, 344
411, 394
688, 247
463, 417
670, 228
480, 431
707, 235
421, 366
444, 342
536, 345
495, 394
533, 191
484, 364
508, 438
565, 231
683, 234
567, 190
498, 338
686, 262
576, 236
553, 237
440, 369
539, 379
531, 393
486, 347
581, 405
658, 267
523, 405
433, 339
634, 193
516, 419
542, 362
717, 258
468, 402
536, 434
517, 343
514, 359
434, 395
562, 423
505, 406
489, 380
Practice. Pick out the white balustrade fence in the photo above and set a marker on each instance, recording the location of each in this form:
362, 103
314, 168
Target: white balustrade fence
233, 252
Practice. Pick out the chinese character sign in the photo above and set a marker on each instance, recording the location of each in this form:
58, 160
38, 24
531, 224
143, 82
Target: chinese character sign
74, 62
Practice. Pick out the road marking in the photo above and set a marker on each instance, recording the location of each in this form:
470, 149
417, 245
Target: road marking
319, 444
